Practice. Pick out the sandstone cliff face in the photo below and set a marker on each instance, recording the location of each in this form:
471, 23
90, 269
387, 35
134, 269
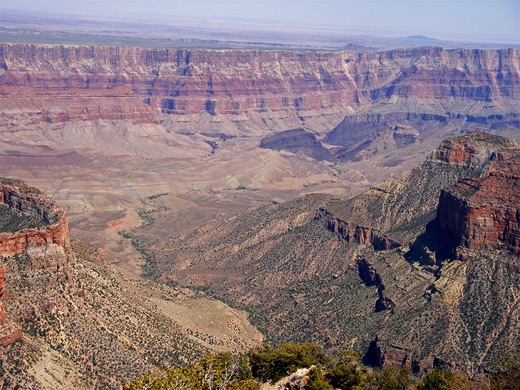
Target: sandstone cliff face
25, 200
351, 232
237, 82
474, 150
483, 212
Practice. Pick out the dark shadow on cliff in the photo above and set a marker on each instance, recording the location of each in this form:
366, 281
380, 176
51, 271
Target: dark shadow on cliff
431, 248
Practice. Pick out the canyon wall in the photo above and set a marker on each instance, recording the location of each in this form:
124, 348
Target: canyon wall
43, 247
483, 212
352, 232
28, 201
137, 84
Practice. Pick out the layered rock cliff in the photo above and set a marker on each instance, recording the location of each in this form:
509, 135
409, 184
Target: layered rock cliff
352, 232
43, 239
483, 212
245, 84
23, 200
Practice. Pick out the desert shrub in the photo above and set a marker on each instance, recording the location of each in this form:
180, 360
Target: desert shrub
222, 371
346, 377
436, 380
315, 381
507, 375
268, 364
391, 378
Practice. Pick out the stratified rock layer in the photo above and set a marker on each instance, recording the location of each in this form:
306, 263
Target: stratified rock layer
116, 82
351, 232
297, 141
483, 212
25, 200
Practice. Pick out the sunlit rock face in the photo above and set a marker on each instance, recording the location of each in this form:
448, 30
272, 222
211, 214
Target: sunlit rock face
55, 84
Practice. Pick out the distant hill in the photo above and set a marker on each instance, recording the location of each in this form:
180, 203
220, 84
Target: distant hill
421, 38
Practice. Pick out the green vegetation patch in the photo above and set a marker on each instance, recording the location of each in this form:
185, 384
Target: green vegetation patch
11, 222
342, 371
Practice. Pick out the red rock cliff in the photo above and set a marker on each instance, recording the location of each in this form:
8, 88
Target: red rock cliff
484, 212
29, 201
351, 232
473, 149
247, 81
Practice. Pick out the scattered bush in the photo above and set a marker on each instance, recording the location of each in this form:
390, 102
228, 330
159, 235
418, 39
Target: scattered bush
507, 374
222, 371
315, 380
268, 364
343, 371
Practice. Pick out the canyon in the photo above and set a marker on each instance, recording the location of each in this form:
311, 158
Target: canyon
298, 265
66, 319
102, 128
315, 190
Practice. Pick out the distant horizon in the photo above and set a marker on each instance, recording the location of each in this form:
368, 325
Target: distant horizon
459, 20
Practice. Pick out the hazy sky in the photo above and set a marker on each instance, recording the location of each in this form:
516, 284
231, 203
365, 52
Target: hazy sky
491, 20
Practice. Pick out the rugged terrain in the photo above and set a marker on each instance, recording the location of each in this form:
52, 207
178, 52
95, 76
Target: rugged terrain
375, 272
156, 156
101, 129
250, 89
85, 325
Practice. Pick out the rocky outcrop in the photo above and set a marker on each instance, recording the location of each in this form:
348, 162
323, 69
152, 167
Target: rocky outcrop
297, 141
27, 201
138, 82
383, 353
9, 332
368, 273
43, 247
370, 277
473, 150
482, 212
352, 232
15, 243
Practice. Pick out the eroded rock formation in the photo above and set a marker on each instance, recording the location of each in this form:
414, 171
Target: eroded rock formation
474, 150
134, 83
483, 212
297, 141
24, 200
43, 247
352, 232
